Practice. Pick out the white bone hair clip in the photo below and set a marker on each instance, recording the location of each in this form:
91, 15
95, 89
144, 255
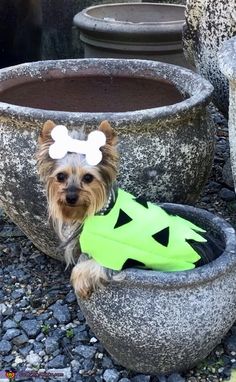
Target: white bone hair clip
64, 144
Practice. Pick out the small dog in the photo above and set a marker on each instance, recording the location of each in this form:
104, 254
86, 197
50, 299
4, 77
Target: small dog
79, 176
76, 190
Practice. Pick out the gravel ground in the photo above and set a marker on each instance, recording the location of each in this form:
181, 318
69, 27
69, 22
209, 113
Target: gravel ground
43, 330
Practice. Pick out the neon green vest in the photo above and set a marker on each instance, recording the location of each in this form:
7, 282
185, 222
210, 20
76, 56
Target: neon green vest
141, 231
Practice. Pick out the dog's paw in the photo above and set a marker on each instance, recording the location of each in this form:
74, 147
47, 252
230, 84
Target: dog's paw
88, 276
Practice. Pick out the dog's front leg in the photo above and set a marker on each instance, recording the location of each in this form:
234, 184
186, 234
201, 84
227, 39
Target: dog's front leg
88, 276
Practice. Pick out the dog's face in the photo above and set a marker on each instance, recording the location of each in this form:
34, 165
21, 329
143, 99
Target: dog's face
75, 189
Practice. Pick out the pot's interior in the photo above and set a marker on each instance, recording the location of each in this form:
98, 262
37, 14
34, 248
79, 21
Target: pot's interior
92, 94
138, 13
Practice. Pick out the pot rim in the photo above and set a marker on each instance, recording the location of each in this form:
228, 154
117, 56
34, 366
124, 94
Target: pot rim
222, 265
227, 58
199, 89
93, 25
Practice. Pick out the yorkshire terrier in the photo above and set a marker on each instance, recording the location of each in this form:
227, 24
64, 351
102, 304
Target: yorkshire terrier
76, 190
80, 179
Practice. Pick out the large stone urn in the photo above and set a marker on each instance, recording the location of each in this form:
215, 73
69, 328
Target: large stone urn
160, 322
133, 30
227, 63
208, 24
159, 111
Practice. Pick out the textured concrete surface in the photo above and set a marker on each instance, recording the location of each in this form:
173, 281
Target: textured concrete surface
156, 322
208, 24
166, 152
227, 63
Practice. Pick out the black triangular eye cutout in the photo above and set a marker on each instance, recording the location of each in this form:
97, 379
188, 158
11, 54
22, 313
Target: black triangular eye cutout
162, 236
141, 201
130, 263
123, 218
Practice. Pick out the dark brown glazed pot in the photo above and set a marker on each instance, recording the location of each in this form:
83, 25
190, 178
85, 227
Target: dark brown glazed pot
137, 30
166, 139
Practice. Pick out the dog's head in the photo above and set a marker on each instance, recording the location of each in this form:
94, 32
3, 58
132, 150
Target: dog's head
76, 189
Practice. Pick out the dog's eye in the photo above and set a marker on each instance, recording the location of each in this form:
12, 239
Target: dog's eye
87, 178
61, 177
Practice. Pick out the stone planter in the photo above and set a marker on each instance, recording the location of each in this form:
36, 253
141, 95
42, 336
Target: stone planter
139, 30
159, 111
208, 24
158, 323
227, 63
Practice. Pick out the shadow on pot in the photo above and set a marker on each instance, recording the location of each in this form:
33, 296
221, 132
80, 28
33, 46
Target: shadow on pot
159, 322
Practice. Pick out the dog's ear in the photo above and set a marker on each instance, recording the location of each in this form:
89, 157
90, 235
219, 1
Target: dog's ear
110, 133
45, 134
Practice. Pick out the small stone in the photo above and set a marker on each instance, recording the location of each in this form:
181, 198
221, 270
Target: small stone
9, 324
227, 174
38, 347
76, 365
25, 351
93, 340
85, 351
230, 344
5, 347
124, 380
88, 364
31, 327
18, 360
40, 337
23, 303
227, 195
8, 311
175, 377
111, 375
57, 363
18, 293
70, 297
3, 308
11, 333
8, 358
18, 317
20, 340
107, 363
61, 313
34, 359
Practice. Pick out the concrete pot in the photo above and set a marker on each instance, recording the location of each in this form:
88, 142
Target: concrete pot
138, 30
159, 111
208, 24
158, 323
227, 63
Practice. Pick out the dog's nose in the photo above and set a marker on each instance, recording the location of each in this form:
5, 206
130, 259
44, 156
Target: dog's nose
71, 197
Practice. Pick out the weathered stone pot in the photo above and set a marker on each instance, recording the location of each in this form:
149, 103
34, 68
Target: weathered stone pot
227, 63
138, 30
159, 111
156, 322
208, 24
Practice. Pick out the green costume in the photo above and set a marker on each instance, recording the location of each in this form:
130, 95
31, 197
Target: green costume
141, 231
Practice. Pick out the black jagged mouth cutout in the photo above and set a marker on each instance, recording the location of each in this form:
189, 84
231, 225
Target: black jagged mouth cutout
130, 263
